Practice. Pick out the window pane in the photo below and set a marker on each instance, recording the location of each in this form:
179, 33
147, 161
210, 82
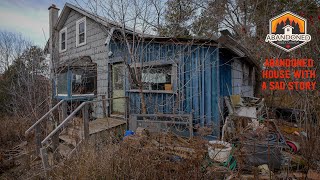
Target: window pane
81, 38
63, 45
83, 81
63, 36
81, 27
155, 78
62, 83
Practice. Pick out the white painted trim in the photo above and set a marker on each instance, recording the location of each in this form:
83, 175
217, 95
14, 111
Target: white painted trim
64, 30
77, 31
62, 94
83, 94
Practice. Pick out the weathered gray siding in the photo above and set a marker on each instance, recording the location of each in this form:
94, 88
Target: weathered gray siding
94, 47
240, 85
96, 35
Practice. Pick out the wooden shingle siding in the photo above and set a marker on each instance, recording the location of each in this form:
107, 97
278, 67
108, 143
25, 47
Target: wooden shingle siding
96, 35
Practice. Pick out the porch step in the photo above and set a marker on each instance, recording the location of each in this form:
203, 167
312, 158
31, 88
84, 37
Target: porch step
68, 139
74, 131
64, 150
117, 116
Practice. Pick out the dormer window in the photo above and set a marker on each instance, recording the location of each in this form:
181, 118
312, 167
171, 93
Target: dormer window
63, 40
81, 32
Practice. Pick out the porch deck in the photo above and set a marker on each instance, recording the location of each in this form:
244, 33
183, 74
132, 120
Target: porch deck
103, 124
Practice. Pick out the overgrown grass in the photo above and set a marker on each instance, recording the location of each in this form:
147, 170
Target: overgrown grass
12, 131
130, 159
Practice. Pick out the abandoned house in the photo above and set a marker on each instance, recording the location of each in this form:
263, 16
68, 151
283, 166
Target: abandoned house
119, 79
159, 75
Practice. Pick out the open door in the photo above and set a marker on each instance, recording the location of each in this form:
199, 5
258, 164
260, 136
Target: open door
118, 89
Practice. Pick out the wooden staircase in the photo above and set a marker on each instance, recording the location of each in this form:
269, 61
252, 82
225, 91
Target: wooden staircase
70, 132
68, 140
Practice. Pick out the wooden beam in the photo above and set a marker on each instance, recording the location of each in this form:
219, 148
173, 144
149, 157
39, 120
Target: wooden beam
85, 116
44, 157
38, 138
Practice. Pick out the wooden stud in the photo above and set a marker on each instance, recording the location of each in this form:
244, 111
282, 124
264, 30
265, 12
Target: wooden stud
64, 110
38, 138
44, 157
104, 105
85, 113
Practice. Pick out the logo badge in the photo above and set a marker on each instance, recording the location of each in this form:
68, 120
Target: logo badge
288, 31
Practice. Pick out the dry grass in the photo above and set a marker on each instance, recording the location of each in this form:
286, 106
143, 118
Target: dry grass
12, 131
135, 158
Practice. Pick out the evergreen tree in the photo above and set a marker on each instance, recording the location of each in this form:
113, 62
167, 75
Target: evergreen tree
287, 21
178, 15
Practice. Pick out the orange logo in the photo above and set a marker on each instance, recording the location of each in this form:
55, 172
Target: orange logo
288, 31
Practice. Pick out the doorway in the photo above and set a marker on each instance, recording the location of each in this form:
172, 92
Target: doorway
118, 89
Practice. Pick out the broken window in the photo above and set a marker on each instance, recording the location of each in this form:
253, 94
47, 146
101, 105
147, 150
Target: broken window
62, 84
154, 78
83, 81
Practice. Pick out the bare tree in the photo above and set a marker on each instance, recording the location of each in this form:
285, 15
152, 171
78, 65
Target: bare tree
12, 46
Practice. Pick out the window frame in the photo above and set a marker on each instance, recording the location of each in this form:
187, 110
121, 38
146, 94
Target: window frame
78, 22
64, 30
173, 70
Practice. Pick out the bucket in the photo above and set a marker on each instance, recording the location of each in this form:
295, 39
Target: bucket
219, 150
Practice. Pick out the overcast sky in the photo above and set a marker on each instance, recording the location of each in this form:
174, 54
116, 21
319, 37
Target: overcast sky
29, 17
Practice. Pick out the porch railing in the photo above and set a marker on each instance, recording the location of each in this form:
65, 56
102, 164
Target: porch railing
53, 137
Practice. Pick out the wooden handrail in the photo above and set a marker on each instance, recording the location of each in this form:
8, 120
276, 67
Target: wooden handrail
44, 116
74, 113
63, 122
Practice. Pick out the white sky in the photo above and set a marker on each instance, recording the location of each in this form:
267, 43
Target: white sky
28, 17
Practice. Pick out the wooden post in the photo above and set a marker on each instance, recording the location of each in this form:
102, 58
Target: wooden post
190, 126
55, 144
85, 116
44, 157
126, 112
64, 110
38, 138
104, 106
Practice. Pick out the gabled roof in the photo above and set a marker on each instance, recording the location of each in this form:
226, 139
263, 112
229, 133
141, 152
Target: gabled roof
226, 40
99, 19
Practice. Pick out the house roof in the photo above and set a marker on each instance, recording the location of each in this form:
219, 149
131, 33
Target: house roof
225, 41
235, 47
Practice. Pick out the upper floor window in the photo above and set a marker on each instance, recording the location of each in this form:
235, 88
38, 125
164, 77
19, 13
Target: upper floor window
81, 31
63, 40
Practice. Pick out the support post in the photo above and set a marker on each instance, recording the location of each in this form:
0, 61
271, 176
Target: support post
55, 144
38, 138
104, 106
190, 126
85, 116
44, 157
126, 112
64, 110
